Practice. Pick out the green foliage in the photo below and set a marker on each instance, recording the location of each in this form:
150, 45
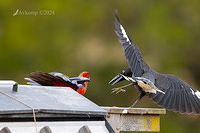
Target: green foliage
79, 36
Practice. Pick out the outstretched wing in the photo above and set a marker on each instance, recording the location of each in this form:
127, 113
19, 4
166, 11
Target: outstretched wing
132, 52
179, 96
50, 79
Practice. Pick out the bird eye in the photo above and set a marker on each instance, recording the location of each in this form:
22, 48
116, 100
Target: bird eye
123, 71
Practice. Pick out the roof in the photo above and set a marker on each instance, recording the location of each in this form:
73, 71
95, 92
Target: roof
46, 99
55, 127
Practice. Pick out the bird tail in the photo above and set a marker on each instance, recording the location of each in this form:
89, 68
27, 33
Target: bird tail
50, 79
41, 78
31, 82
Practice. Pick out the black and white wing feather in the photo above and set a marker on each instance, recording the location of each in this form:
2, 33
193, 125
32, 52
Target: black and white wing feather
179, 96
132, 52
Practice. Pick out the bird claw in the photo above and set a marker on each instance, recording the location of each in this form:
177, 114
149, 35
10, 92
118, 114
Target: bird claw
117, 90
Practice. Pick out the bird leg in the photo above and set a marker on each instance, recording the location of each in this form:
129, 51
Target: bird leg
117, 90
139, 97
120, 89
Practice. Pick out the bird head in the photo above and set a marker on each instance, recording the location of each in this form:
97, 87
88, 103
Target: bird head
83, 87
84, 74
126, 72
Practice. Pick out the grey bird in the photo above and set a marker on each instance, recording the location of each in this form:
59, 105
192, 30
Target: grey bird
165, 90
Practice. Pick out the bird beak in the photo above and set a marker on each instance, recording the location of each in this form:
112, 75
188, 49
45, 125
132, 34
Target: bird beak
116, 79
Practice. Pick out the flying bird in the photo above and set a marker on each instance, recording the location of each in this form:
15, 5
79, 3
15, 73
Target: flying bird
165, 90
79, 83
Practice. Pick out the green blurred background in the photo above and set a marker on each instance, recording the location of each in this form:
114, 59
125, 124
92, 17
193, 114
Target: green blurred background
79, 36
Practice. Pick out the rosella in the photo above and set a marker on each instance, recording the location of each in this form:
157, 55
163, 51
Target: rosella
79, 83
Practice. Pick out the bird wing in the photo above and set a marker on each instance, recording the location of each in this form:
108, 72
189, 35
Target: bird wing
50, 79
179, 96
80, 80
132, 52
